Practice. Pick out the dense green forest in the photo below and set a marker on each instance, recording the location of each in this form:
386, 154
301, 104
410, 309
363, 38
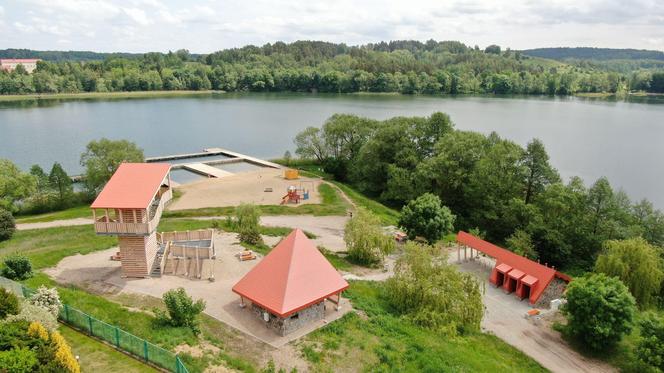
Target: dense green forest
584, 53
507, 191
57, 56
409, 67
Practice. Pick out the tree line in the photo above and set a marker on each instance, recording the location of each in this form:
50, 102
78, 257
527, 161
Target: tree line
408, 67
512, 194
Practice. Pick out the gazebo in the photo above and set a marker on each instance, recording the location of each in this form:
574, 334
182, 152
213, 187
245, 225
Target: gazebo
289, 287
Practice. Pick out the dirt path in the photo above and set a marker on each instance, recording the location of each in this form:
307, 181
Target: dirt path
505, 317
54, 223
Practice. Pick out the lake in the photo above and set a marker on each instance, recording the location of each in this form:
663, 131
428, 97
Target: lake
589, 138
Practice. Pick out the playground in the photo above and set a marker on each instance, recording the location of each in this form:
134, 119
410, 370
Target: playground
266, 186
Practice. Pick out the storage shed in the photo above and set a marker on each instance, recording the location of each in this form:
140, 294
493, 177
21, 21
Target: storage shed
514, 273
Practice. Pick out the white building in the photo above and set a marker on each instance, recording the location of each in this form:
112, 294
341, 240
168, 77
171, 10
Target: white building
9, 64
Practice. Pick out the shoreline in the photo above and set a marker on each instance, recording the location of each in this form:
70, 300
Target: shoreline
169, 94
105, 95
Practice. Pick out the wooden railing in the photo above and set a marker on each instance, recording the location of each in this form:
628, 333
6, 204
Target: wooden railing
111, 226
164, 257
197, 235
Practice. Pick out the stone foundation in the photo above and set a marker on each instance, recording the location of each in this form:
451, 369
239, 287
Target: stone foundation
284, 326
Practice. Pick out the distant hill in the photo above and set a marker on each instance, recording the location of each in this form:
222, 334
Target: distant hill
56, 56
599, 54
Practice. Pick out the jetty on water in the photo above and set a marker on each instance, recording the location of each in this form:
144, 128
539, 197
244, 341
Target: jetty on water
205, 167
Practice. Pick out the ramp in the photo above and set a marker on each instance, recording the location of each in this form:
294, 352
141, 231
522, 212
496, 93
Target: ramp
209, 171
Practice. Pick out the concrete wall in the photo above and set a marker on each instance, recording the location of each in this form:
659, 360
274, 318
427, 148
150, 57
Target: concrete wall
284, 326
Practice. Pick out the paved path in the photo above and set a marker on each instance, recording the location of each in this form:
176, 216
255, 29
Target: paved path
54, 223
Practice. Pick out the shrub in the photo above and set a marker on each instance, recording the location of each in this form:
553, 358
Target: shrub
434, 294
182, 310
18, 360
63, 355
7, 225
426, 217
247, 219
366, 242
48, 299
17, 267
599, 310
650, 349
30, 313
37, 330
8, 303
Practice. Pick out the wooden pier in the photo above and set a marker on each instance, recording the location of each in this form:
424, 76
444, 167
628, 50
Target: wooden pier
205, 170
204, 167
233, 157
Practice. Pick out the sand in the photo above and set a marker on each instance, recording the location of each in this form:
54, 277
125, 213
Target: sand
98, 273
245, 187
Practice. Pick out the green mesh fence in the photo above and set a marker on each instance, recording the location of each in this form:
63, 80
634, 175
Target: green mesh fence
115, 336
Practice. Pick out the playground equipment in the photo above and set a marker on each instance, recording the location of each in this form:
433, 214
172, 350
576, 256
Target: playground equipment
291, 174
292, 196
305, 192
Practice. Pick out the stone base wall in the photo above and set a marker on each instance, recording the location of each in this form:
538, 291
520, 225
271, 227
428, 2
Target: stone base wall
284, 326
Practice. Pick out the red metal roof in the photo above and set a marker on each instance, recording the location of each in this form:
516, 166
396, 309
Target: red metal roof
132, 186
293, 276
516, 274
529, 280
532, 269
19, 60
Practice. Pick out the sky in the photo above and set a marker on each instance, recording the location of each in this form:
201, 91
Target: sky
208, 25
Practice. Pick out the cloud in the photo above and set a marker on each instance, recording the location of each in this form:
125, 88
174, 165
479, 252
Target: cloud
209, 25
138, 16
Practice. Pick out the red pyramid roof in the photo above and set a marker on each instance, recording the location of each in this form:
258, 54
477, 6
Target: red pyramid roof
293, 276
132, 186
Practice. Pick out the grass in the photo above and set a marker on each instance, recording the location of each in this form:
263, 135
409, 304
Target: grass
383, 342
71, 213
46, 247
331, 204
96, 356
128, 312
105, 95
387, 215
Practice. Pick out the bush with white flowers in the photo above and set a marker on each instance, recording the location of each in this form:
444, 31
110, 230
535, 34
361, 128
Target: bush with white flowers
48, 299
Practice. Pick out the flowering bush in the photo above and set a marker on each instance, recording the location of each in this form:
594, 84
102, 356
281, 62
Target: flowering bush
37, 330
63, 355
30, 312
48, 299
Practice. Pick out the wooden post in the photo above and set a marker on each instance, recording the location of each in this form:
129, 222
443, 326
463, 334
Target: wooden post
198, 269
119, 212
458, 247
465, 253
133, 211
94, 215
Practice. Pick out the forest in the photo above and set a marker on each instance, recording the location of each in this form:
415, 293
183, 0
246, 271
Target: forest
408, 67
507, 193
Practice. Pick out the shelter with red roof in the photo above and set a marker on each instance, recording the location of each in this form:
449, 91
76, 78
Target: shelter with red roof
130, 207
289, 287
514, 273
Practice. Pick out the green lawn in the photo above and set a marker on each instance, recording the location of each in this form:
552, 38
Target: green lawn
71, 213
96, 356
384, 342
46, 247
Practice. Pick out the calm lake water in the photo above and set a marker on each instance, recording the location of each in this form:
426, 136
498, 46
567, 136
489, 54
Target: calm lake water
589, 138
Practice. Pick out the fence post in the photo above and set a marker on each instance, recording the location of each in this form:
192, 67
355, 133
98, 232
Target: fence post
177, 364
67, 312
90, 323
117, 337
145, 349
